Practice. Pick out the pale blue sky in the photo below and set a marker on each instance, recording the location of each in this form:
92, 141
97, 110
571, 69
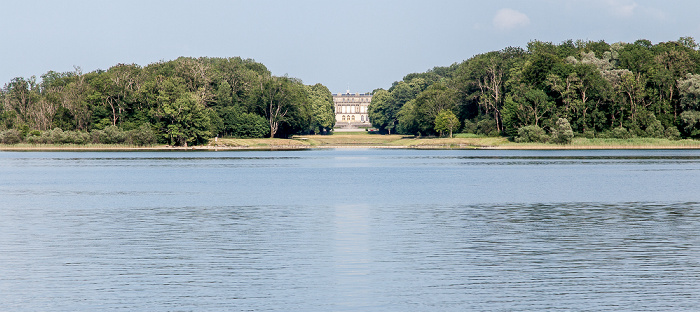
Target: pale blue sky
363, 44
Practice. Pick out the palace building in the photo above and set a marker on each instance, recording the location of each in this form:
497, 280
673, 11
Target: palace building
351, 110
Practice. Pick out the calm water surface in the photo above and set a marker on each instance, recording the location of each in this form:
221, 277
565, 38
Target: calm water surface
350, 230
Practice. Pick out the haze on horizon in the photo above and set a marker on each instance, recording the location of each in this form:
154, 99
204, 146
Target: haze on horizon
357, 44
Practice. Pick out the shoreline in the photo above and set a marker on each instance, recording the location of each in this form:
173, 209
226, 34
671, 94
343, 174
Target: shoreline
329, 147
367, 141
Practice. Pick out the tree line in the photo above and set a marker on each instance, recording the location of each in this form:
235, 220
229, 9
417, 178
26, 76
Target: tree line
551, 92
179, 102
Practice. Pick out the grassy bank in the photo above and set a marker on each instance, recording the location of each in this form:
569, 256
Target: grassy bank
597, 143
364, 140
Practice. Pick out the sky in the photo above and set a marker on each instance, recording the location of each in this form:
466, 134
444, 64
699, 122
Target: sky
353, 44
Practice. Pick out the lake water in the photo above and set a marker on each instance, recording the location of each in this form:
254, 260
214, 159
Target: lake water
350, 230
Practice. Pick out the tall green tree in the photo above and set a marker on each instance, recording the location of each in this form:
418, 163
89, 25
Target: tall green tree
446, 121
281, 99
383, 111
323, 110
187, 120
429, 103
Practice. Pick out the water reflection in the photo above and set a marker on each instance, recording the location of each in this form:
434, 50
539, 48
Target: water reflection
352, 257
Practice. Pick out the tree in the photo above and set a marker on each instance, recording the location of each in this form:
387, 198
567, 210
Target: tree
488, 73
407, 119
567, 90
323, 110
383, 111
633, 87
690, 120
446, 121
240, 124
21, 97
75, 100
429, 103
562, 132
689, 89
187, 120
282, 97
533, 106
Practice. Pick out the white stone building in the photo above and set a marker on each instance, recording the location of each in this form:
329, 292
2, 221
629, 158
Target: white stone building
351, 110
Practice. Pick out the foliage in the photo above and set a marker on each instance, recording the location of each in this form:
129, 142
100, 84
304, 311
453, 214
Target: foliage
626, 90
690, 120
446, 121
11, 136
487, 127
322, 108
531, 134
562, 132
469, 126
143, 136
177, 102
617, 133
240, 124
110, 135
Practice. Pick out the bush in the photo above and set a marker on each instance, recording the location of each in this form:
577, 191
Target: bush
690, 122
142, 136
532, 133
487, 127
620, 133
469, 126
10, 136
562, 132
54, 136
616, 133
240, 124
76, 137
655, 130
33, 139
110, 135
672, 133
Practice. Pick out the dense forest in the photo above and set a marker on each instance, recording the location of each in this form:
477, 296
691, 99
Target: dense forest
544, 93
551, 92
179, 102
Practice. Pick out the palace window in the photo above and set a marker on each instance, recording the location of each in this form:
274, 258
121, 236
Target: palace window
353, 117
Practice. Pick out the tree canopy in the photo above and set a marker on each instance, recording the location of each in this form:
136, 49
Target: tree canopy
595, 88
183, 101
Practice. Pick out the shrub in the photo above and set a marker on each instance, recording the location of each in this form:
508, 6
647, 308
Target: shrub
655, 129
690, 122
43, 138
562, 132
110, 135
672, 133
33, 139
487, 127
532, 133
10, 136
469, 126
54, 136
144, 135
620, 133
76, 137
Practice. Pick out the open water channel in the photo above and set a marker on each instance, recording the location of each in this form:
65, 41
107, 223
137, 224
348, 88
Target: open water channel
350, 230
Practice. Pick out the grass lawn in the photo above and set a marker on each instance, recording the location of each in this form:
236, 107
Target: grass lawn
366, 140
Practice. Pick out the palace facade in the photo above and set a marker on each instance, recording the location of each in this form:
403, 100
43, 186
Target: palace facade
351, 110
